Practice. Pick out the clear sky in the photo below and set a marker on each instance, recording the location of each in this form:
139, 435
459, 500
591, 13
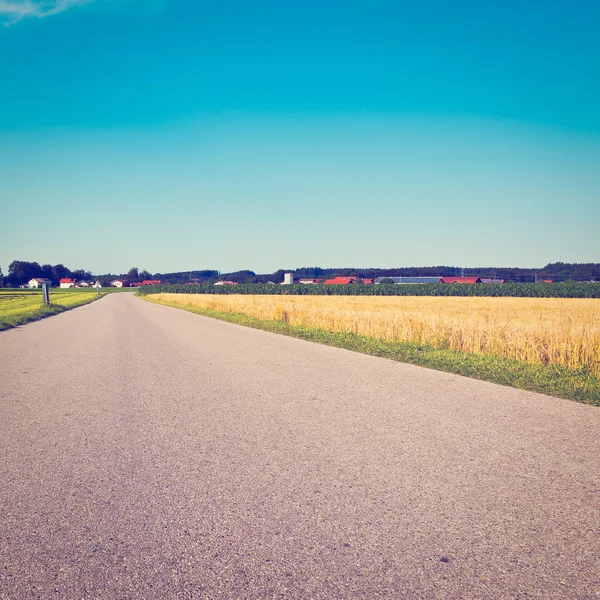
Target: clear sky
183, 134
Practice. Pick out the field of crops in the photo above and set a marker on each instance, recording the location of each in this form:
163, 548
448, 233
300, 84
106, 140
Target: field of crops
565, 289
22, 306
552, 331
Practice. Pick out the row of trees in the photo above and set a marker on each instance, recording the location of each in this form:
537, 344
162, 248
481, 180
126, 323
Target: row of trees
21, 271
553, 271
556, 271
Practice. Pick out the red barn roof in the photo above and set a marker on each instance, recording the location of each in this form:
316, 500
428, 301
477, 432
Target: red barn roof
340, 281
67, 280
461, 280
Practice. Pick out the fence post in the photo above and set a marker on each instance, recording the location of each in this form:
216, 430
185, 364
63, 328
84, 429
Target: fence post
46, 292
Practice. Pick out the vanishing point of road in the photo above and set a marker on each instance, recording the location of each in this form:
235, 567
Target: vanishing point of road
150, 453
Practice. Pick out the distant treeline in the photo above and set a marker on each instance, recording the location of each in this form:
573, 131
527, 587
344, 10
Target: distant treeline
20, 272
554, 271
567, 289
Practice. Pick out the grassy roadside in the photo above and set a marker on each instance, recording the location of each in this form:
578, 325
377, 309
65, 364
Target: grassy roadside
552, 380
18, 309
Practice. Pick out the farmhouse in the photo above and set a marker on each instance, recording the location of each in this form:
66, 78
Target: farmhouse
66, 283
37, 282
119, 283
226, 283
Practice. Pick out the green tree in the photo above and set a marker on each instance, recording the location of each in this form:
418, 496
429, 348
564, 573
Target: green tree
59, 272
133, 275
47, 271
81, 275
21, 271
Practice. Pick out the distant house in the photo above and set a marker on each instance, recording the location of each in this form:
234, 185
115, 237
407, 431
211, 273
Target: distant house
37, 282
410, 280
83, 284
66, 283
226, 283
151, 282
490, 280
118, 283
468, 280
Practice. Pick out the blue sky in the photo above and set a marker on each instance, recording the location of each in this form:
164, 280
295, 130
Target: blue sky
176, 134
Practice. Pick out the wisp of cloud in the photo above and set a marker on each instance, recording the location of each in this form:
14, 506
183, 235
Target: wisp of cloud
12, 11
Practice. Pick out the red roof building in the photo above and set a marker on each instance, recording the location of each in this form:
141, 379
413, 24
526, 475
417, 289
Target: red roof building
151, 282
461, 280
340, 281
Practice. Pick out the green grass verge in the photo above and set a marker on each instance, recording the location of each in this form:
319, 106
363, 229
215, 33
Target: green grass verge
18, 307
552, 380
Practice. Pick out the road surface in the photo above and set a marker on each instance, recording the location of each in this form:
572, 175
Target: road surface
151, 453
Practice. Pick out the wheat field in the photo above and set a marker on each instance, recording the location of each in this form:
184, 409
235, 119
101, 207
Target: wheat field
537, 330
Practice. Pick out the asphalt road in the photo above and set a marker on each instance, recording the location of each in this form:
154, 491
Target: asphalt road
151, 453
